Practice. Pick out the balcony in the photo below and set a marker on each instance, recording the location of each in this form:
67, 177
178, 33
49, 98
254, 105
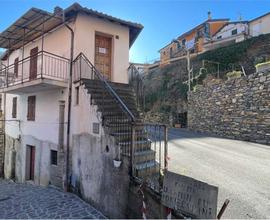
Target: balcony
41, 71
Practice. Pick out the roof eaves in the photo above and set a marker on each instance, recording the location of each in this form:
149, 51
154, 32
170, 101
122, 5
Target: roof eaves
268, 13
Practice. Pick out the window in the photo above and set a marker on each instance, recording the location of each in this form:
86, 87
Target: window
53, 157
219, 37
14, 107
184, 42
16, 66
171, 51
77, 93
96, 128
31, 108
234, 32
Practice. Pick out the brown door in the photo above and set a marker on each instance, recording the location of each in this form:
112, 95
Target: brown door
33, 63
32, 162
103, 55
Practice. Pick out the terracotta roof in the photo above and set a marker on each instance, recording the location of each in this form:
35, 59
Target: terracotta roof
198, 26
232, 22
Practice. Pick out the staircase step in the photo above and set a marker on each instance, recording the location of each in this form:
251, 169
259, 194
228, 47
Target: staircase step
146, 169
144, 156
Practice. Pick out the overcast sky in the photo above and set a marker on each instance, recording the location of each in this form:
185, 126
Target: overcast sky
163, 20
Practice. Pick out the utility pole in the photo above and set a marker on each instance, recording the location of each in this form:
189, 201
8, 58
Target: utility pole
188, 69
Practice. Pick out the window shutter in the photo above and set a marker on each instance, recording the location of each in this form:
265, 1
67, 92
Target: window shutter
16, 66
31, 108
14, 107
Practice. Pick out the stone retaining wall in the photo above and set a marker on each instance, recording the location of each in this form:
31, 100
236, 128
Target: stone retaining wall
236, 108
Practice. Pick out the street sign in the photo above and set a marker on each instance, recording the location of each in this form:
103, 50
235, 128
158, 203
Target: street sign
189, 196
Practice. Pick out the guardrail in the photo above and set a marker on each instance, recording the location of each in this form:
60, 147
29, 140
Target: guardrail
41, 65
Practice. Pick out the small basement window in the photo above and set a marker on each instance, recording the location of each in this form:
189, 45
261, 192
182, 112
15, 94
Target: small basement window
53, 157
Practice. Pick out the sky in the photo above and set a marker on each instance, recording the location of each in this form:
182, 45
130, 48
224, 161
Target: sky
163, 20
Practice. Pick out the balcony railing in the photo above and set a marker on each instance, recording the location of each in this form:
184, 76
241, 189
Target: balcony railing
43, 65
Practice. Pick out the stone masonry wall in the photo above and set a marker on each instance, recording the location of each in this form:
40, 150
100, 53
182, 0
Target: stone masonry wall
235, 108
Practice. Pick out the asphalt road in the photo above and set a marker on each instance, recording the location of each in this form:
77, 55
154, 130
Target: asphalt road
240, 169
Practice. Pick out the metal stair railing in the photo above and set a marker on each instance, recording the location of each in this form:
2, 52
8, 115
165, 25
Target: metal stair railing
124, 122
136, 81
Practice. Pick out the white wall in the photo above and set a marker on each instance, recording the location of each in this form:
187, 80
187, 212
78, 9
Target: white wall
260, 26
85, 29
226, 31
43, 132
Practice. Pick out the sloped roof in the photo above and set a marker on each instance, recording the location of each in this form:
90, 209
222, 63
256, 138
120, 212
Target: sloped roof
268, 13
134, 28
35, 22
195, 28
232, 22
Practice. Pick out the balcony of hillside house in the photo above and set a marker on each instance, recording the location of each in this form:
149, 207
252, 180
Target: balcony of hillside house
41, 71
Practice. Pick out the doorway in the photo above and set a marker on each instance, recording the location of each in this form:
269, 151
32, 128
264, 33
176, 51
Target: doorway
30, 162
33, 63
103, 55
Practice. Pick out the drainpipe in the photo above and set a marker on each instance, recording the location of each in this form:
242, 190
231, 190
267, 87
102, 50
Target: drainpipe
66, 184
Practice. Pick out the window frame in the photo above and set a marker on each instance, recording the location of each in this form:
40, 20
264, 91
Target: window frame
54, 157
16, 67
234, 32
31, 108
14, 107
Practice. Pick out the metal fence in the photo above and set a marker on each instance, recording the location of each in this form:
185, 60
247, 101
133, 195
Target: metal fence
41, 65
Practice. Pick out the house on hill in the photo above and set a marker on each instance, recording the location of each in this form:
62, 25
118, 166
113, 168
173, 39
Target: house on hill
193, 40
259, 25
229, 33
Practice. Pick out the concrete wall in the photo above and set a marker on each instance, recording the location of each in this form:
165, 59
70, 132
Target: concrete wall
236, 108
260, 26
43, 133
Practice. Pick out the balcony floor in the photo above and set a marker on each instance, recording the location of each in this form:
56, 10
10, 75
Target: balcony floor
36, 85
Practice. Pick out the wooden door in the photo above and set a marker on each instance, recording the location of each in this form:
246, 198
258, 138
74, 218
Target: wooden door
33, 63
103, 55
32, 162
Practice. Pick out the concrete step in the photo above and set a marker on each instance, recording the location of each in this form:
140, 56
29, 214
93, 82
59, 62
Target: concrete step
140, 145
99, 83
125, 136
146, 169
144, 156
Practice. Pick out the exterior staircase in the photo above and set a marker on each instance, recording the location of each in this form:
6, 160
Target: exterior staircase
119, 125
142, 143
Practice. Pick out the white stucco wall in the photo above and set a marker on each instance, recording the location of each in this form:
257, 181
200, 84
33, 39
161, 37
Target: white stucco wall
226, 31
85, 30
43, 132
260, 26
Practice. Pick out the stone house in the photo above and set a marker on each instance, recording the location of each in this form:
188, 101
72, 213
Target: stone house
70, 116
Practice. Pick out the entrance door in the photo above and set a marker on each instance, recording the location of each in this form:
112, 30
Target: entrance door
33, 63
103, 55
30, 162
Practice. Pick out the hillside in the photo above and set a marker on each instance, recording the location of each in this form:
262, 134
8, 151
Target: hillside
166, 87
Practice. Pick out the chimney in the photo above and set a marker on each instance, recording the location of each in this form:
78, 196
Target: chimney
209, 15
58, 11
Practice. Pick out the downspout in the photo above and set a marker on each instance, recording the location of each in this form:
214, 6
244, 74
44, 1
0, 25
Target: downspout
66, 184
